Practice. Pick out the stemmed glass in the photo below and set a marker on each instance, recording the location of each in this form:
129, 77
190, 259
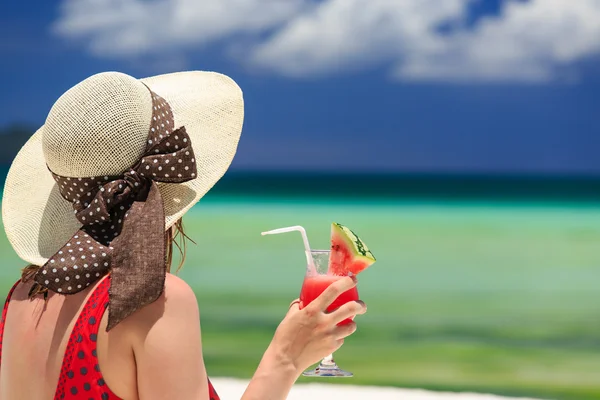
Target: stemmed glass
316, 280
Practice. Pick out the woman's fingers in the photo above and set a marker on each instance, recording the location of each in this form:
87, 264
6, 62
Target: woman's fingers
333, 291
345, 330
295, 303
338, 344
348, 310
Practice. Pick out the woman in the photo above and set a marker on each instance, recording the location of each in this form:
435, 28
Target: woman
93, 202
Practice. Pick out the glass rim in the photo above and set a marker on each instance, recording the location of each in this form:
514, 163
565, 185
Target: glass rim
320, 251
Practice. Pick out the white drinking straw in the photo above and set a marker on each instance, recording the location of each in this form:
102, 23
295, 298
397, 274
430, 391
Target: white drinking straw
302, 231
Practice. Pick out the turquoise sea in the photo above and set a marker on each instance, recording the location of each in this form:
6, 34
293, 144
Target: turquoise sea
478, 289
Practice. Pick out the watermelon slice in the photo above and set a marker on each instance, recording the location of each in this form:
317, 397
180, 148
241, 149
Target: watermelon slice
349, 254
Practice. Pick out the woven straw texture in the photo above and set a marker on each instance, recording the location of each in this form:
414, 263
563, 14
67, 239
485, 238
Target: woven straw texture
100, 127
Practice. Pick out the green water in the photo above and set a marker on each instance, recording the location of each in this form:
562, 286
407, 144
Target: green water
491, 297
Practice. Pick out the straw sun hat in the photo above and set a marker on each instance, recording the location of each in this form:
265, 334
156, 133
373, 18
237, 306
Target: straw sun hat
103, 127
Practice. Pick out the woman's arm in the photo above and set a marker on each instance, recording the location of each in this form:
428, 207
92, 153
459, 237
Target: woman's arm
273, 379
302, 339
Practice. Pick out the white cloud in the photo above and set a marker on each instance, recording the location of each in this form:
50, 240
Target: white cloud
533, 41
343, 34
126, 28
529, 41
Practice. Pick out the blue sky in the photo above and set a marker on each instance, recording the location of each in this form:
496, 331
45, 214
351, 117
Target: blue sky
364, 85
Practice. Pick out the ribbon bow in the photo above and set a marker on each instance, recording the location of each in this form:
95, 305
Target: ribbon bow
123, 223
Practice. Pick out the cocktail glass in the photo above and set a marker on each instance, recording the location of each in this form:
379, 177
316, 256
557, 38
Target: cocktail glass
316, 280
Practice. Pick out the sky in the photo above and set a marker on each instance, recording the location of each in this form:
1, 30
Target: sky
437, 86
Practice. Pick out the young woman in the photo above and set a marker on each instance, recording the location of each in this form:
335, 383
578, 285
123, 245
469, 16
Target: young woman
93, 202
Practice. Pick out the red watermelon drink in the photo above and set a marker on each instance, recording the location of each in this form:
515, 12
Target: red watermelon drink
315, 284
348, 256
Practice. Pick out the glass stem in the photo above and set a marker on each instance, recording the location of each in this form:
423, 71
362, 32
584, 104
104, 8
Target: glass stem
328, 361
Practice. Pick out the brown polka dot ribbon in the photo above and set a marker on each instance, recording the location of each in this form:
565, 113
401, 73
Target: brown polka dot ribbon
123, 222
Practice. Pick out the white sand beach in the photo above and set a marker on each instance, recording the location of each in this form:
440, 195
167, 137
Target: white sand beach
232, 389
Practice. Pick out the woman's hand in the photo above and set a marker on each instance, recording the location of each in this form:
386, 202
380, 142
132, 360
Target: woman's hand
307, 335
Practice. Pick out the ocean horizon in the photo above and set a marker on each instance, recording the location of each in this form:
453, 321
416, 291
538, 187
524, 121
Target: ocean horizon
350, 187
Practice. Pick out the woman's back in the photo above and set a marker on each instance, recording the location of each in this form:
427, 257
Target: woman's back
64, 337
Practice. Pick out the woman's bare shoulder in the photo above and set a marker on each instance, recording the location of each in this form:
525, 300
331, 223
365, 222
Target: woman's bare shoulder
178, 292
176, 306
167, 346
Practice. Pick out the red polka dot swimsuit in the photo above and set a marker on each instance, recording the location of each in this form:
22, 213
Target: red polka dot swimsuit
80, 376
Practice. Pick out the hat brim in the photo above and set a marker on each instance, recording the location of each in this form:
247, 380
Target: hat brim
38, 221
